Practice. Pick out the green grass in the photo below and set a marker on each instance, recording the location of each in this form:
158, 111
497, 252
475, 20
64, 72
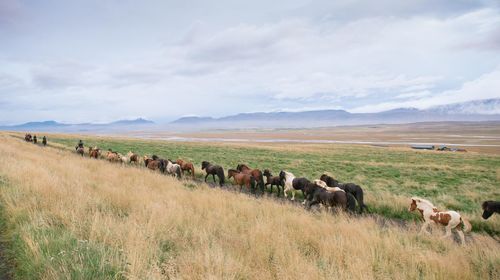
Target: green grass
57, 248
458, 181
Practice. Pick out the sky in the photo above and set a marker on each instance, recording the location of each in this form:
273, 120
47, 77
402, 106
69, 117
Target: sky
103, 60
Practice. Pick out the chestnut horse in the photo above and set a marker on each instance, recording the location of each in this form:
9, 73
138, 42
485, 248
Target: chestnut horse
449, 219
94, 152
241, 179
186, 166
256, 173
132, 157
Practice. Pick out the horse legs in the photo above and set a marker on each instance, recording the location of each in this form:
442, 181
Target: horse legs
461, 234
448, 232
213, 176
206, 177
424, 228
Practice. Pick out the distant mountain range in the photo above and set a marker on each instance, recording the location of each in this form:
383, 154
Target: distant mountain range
478, 110
53, 126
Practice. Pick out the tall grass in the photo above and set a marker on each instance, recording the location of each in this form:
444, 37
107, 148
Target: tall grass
74, 217
389, 176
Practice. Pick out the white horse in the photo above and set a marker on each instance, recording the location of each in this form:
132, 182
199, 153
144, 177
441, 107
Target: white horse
288, 177
322, 184
173, 169
449, 219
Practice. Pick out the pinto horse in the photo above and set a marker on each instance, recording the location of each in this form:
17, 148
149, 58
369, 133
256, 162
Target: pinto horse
241, 179
490, 207
273, 181
213, 170
173, 169
292, 184
256, 173
351, 188
186, 166
449, 219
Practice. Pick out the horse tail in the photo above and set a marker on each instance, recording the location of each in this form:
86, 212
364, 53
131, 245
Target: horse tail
252, 182
261, 182
220, 174
467, 227
192, 171
359, 198
351, 202
178, 172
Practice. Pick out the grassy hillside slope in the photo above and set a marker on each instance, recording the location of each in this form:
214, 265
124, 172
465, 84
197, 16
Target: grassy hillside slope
389, 176
73, 217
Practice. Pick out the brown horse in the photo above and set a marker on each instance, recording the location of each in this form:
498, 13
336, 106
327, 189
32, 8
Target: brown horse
80, 150
27, 137
186, 166
256, 173
154, 163
241, 179
273, 181
94, 152
112, 156
133, 157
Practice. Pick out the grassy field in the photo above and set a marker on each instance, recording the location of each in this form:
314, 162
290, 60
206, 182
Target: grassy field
69, 217
389, 176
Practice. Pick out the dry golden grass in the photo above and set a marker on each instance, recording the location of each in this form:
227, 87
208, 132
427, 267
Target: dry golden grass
149, 226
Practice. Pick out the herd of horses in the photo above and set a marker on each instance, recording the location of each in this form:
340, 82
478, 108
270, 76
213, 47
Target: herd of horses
326, 191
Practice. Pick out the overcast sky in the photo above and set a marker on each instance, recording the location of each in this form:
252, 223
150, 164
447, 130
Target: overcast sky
103, 60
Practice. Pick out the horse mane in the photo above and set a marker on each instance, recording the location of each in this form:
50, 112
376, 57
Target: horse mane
416, 198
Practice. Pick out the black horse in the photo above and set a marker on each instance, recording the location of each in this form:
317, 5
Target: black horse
213, 170
351, 188
489, 208
316, 194
44, 141
273, 181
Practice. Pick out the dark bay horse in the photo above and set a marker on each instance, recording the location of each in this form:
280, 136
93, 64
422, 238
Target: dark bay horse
256, 173
490, 207
273, 181
213, 170
316, 194
154, 163
186, 166
242, 179
351, 188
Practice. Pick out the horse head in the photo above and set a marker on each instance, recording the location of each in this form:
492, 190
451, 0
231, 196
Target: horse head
282, 176
204, 164
487, 212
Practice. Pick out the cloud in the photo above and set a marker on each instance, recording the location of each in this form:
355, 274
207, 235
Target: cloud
484, 87
327, 54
